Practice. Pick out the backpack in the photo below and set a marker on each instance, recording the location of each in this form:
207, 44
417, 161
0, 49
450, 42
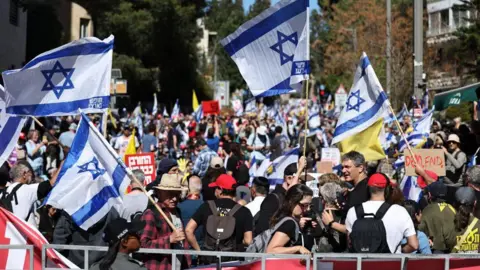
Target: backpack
6, 198
368, 234
220, 230
260, 242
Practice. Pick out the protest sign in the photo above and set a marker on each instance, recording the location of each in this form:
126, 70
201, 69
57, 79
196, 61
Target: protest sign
211, 107
332, 155
144, 162
429, 159
324, 167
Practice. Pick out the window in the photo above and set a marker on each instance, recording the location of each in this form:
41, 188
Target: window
460, 18
14, 9
435, 22
84, 27
445, 18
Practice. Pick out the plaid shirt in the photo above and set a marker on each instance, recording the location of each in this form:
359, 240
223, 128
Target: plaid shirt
203, 161
156, 234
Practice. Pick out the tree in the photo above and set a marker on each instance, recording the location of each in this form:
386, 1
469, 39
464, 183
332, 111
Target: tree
224, 17
258, 7
353, 26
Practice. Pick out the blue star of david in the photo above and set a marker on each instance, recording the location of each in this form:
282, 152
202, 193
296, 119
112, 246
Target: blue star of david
278, 47
359, 102
96, 171
51, 86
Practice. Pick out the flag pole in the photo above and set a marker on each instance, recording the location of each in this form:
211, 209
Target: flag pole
306, 85
402, 133
45, 130
130, 174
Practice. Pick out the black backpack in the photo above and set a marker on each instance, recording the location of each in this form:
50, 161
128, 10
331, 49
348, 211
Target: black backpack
368, 234
220, 229
6, 198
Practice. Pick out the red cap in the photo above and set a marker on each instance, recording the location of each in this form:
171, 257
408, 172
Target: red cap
22, 135
377, 180
421, 182
224, 181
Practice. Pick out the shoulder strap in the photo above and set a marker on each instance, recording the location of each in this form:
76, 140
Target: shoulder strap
213, 207
465, 234
234, 210
382, 210
13, 194
359, 211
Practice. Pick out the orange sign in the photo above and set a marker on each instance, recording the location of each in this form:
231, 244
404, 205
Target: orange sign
429, 159
210, 107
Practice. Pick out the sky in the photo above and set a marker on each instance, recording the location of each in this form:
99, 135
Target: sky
247, 3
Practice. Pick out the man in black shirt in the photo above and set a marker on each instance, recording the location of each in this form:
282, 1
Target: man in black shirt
274, 200
278, 144
225, 192
354, 171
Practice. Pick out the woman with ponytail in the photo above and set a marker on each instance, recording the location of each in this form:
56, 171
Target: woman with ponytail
123, 239
467, 227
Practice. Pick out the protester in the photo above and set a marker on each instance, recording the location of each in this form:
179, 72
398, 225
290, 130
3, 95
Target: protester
192, 202
123, 239
287, 238
278, 144
455, 160
35, 150
354, 172
157, 232
259, 191
149, 141
467, 237
203, 160
135, 202
238, 221
258, 143
415, 213
66, 138
391, 223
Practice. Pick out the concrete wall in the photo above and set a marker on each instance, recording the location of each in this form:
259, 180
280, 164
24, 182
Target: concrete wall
78, 13
13, 39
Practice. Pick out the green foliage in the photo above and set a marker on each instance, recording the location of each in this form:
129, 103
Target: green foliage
464, 111
257, 7
224, 17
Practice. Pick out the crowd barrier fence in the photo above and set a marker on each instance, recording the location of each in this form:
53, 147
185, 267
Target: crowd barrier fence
359, 258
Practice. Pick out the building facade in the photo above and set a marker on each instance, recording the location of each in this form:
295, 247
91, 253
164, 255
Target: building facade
13, 34
76, 21
444, 19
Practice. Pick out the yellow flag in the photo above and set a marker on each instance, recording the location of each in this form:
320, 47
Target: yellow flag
194, 101
112, 119
131, 146
366, 142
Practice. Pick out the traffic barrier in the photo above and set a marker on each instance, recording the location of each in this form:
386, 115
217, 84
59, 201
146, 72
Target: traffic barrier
29, 249
331, 261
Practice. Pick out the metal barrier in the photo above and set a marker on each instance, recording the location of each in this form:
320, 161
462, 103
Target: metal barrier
27, 247
403, 258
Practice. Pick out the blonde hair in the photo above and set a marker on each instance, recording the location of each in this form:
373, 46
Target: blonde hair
31, 132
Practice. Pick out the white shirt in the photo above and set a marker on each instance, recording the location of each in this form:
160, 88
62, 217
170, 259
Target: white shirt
398, 224
121, 144
254, 206
26, 196
133, 203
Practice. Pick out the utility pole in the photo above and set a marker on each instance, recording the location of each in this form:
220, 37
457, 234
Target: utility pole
389, 45
215, 68
418, 48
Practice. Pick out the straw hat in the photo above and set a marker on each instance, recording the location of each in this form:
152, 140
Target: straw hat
171, 182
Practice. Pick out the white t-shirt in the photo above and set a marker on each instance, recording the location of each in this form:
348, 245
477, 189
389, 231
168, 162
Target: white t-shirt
254, 206
26, 196
121, 144
397, 222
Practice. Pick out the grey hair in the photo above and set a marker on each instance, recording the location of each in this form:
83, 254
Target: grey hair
357, 158
18, 170
329, 192
139, 174
195, 188
473, 175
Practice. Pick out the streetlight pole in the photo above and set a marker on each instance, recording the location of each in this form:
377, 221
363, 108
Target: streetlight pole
418, 48
389, 45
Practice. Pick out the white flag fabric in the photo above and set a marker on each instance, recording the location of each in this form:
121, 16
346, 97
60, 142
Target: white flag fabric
251, 106
165, 113
272, 50
93, 170
274, 172
10, 128
15, 231
410, 188
63, 80
366, 103
199, 113
155, 105
176, 110
420, 133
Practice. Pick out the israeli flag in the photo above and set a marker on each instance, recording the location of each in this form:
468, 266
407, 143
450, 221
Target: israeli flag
421, 131
155, 105
92, 180
280, 121
404, 112
399, 163
410, 188
63, 80
272, 50
10, 128
176, 110
366, 103
274, 173
251, 106
165, 113
389, 140
314, 120
199, 113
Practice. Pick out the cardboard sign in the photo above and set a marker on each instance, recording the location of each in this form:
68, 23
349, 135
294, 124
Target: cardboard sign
429, 159
211, 107
144, 162
324, 167
332, 155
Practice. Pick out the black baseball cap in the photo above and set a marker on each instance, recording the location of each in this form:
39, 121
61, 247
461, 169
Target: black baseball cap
465, 196
437, 189
120, 227
261, 181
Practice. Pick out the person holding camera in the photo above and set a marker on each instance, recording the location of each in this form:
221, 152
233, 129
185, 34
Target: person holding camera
455, 161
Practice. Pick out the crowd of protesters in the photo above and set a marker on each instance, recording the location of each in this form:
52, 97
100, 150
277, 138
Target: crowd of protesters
204, 186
